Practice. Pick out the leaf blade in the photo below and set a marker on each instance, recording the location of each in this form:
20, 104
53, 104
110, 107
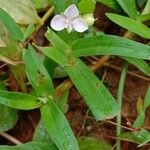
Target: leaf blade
130, 24
10, 24
30, 146
110, 45
58, 127
95, 94
129, 6
37, 73
18, 100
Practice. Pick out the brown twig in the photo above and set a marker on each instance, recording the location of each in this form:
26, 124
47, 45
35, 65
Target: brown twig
10, 138
124, 127
129, 72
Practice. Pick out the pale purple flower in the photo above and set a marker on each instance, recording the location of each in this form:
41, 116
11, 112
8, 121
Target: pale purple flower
70, 19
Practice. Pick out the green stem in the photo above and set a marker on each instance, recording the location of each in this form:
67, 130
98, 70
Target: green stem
47, 15
119, 98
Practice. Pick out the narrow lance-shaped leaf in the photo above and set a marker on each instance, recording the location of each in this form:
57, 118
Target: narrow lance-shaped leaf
10, 24
30, 29
110, 45
140, 64
95, 94
97, 97
8, 116
41, 134
19, 100
37, 73
130, 24
58, 127
56, 41
129, 6
101, 102
141, 117
31, 146
110, 3
140, 137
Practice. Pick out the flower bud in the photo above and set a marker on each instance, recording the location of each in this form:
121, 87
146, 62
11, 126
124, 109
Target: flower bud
89, 18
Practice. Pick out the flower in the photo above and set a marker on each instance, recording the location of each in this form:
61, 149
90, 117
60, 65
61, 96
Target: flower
70, 19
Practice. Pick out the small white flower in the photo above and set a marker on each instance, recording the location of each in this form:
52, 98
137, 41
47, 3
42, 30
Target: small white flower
70, 20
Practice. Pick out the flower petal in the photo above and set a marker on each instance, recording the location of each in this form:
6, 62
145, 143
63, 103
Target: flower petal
71, 12
58, 23
79, 24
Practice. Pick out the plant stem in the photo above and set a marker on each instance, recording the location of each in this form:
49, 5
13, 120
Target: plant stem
10, 138
47, 15
119, 98
43, 20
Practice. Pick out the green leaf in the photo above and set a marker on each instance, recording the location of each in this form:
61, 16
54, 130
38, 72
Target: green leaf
89, 143
11, 47
130, 24
141, 117
39, 4
146, 9
138, 137
139, 120
110, 45
139, 105
22, 11
2, 86
31, 146
68, 37
8, 116
147, 99
10, 24
61, 5
95, 94
30, 29
50, 65
110, 3
86, 6
140, 64
37, 73
103, 105
41, 134
3, 35
19, 100
60, 72
56, 41
129, 6
58, 127
61, 101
